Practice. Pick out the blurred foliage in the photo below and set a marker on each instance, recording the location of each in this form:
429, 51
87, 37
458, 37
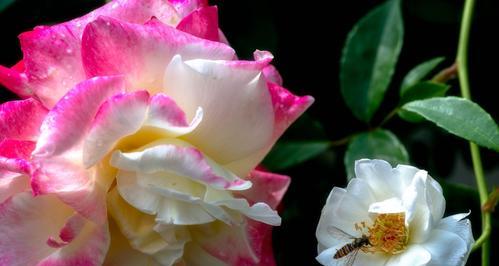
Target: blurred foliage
378, 144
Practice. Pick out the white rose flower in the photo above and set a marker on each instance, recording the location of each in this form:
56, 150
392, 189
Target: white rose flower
391, 216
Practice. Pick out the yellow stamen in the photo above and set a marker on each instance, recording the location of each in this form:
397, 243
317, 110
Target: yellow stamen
389, 233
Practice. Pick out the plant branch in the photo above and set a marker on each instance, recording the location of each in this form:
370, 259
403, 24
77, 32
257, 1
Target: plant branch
462, 68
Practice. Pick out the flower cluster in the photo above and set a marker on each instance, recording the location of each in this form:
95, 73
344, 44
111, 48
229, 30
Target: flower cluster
136, 142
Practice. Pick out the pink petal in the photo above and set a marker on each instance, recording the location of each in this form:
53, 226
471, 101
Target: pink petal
72, 184
166, 115
260, 235
119, 116
15, 81
164, 110
21, 149
21, 119
141, 52
14, 167
237, 108
239, 246
52, 54
287, 107
84, 244
70, 231
269, 72
19, 66
230, 244
69, 120
267, 187
202, 23
185, 7
27, 222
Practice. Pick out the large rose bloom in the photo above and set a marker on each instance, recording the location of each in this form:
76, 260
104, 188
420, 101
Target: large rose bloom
401, 211
136, 142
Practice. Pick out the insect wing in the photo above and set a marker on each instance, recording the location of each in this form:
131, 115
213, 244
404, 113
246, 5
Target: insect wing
339, 234
350, 258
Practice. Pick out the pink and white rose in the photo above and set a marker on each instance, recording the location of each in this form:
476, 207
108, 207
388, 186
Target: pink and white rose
136, 142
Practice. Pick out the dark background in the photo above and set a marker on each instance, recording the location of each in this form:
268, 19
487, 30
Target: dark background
306, 38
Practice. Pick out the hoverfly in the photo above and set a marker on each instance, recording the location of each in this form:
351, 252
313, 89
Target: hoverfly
349, 251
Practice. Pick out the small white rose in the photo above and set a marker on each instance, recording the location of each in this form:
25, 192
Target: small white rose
391, 216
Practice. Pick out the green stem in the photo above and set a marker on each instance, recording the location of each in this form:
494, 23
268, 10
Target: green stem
342, 141
389, 116
462, 67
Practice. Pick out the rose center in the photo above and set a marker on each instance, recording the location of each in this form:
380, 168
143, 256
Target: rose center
389, 233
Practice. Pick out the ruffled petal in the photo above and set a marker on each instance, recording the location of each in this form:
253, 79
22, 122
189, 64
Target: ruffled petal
385, 181
67, 123
185, 7
242, 124
21, 119
122, 254
52, 58
183, 161
15, 154
287, 107
72, 184
15, 81
29, 223
121, 115
164, 244
267, 187
141, 52
213, 238
260, 235
14, 167
164, 114
202, 23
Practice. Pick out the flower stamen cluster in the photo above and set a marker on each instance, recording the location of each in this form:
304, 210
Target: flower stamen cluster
388, 233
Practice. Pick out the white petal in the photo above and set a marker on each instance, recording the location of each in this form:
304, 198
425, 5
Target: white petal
378, 174
238, 114
435, 199
183, 161
326, 257
342, 211
459, 226
446, 248
414, 255
391, 205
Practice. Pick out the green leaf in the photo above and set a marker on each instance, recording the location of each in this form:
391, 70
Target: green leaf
5, 3
378, 144
289, 153
419, 91
423, 90
418, 73
410, 116
369, 58
460, 117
